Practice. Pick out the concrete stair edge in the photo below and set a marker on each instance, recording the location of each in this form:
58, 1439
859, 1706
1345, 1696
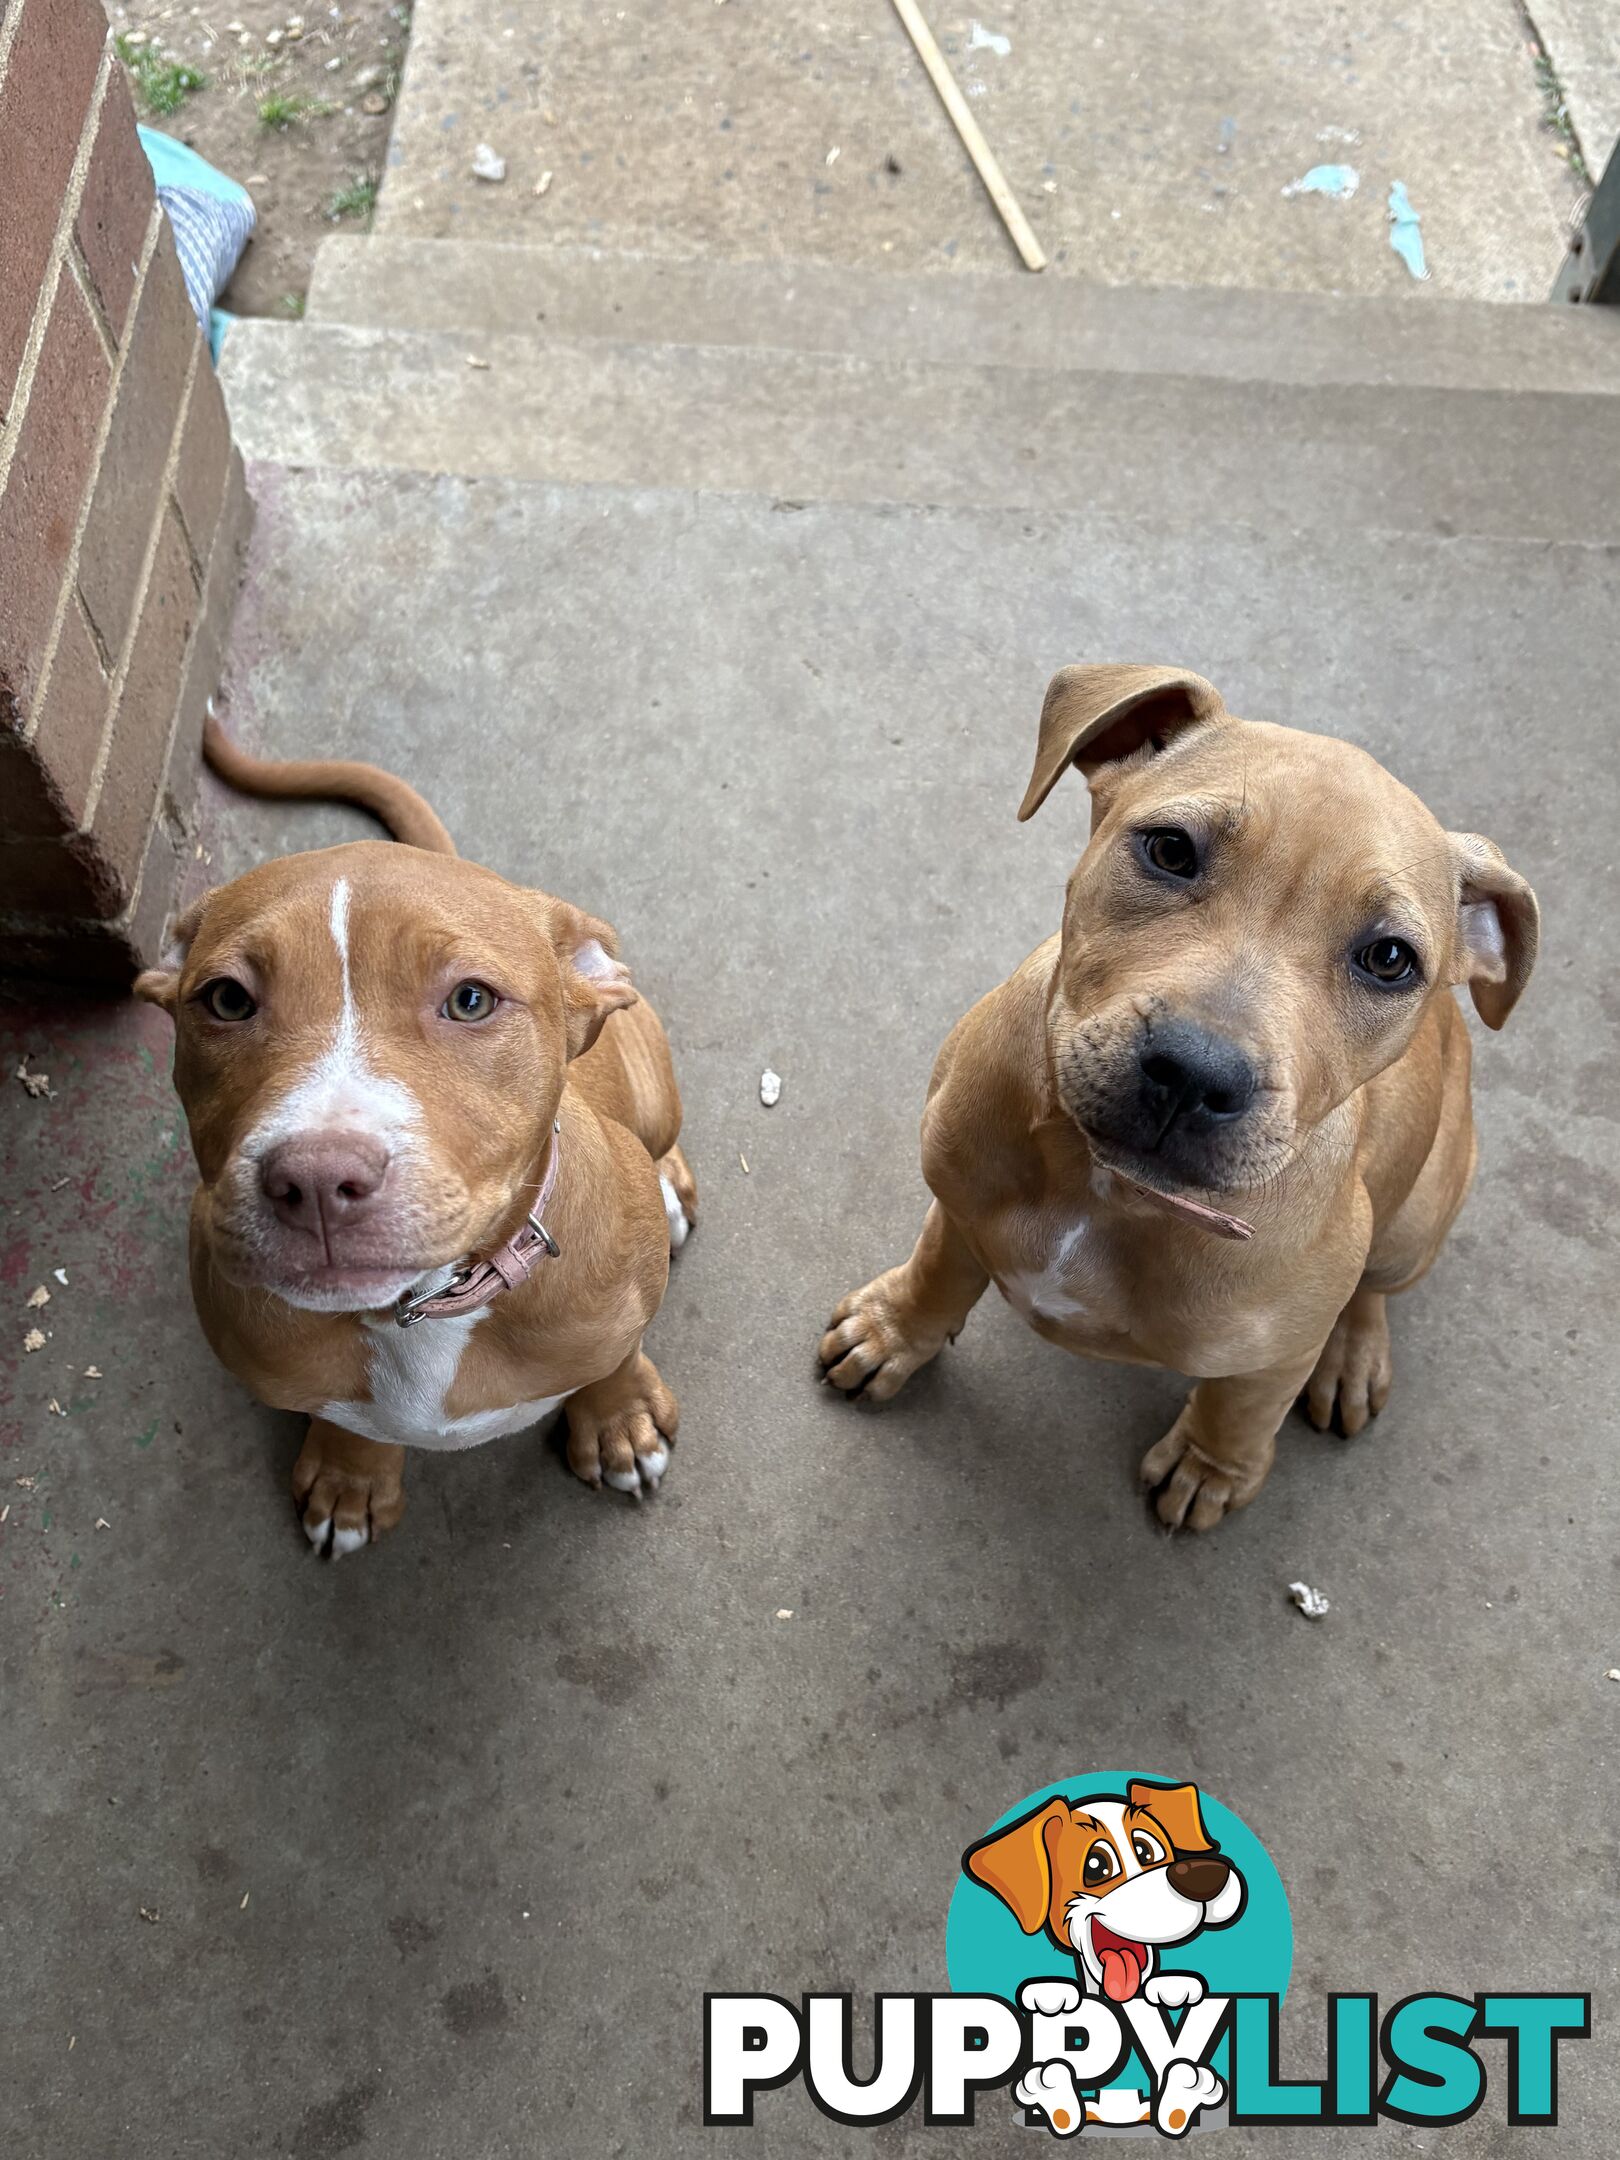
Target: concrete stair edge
963, 317
811, 426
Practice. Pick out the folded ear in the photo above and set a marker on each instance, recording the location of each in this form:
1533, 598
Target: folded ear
1175, 1809
595, 982
160, 985
1016, 1864
1498, 928
1093, 716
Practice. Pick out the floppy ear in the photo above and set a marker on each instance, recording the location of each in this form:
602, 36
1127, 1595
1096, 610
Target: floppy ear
160, 985
1175, 1809
1016, 1864
1498, 928
595, 982
1094, 715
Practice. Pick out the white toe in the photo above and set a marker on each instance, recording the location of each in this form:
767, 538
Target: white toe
345, 1542
317, 1532
679, 1226
622, 1480
653, 1466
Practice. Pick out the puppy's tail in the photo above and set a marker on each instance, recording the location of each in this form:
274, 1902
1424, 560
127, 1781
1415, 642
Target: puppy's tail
384, 794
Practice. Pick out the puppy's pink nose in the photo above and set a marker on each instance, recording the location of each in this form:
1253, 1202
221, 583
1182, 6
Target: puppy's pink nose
322, 1182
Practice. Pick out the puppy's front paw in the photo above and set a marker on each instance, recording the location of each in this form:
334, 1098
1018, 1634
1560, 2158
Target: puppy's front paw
348, 1491
1184, 2089
873, 1344
1193, 1491
1353, 1375
622, 1429
1174, 1990
1050, 2088
1050, 1998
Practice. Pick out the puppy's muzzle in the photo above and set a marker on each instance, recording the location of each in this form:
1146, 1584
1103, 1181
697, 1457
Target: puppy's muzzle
325, 1183
1191, 1079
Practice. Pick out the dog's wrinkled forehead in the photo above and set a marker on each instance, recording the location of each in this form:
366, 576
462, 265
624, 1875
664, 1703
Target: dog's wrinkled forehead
308, 920
1308, 817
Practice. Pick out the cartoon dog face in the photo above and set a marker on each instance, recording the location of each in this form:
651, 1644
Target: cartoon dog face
1112, 1880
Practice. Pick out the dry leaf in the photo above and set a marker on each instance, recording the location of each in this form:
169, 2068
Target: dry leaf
102, 1523
55, 1408
5, 1511
93, 1372
37, 1083
33, 1340
246, 1894
150, 1912
38, 1297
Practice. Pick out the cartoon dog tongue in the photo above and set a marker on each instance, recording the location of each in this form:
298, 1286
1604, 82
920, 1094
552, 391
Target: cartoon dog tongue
1122, 1962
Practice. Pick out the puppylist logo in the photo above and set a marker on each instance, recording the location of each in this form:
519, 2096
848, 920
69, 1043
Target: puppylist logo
1118, 1948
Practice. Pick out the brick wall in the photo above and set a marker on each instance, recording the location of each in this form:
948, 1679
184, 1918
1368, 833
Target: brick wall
123, 515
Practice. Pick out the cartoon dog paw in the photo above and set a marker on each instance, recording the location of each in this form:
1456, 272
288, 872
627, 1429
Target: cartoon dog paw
1050, 1998
1050, 2089
1174, 1990
1183, 2090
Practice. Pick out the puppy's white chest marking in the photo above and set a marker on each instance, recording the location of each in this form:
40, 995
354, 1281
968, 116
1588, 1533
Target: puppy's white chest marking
1049, 1292
412, 1372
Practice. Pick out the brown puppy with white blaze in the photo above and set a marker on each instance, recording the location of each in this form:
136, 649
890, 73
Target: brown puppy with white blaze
437, 1137
1224, 1114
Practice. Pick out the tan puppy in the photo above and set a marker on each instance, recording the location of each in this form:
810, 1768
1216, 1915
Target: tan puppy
1225, 1113
410, 1083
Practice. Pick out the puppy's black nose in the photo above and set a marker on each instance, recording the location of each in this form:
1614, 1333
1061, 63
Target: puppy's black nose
1200, 1878
1193, 1076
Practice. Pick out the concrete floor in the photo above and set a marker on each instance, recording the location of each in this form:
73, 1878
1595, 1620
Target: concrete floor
1149, 145
444, 1844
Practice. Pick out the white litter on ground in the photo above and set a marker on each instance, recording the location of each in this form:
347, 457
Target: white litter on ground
61, 1275
1310, 1602
982, 40
770, 1088
488, 164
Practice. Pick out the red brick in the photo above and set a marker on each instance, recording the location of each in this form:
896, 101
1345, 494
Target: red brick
50, 468
44, 98
116, 204
205, 457
143, 724
56, 767
157, 353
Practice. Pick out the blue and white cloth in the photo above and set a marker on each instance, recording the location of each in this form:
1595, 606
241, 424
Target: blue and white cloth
212, 219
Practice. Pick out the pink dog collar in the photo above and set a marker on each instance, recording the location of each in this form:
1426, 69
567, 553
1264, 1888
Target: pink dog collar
482, 1281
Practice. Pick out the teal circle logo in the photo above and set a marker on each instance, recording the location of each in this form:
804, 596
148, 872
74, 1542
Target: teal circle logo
1112, 1896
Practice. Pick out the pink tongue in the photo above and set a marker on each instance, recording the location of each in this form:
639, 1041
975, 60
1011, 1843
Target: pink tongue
1119, 1975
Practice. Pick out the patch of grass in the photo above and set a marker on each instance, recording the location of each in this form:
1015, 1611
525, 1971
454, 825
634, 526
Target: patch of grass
162, 84
357, 200
1555, 112
291, 304
283, 109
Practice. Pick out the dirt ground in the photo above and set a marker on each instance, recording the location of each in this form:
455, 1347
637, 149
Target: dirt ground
296, 106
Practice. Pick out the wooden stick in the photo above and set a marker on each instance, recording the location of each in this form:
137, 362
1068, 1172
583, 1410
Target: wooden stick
984, 158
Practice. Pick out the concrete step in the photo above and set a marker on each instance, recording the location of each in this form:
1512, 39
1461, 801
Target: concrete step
813, 426
974, 318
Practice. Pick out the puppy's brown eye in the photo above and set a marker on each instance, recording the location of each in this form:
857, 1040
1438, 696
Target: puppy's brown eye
1099, 1866
226, 999
1171, 850
1147, 1849
470, 1001
1390, 961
